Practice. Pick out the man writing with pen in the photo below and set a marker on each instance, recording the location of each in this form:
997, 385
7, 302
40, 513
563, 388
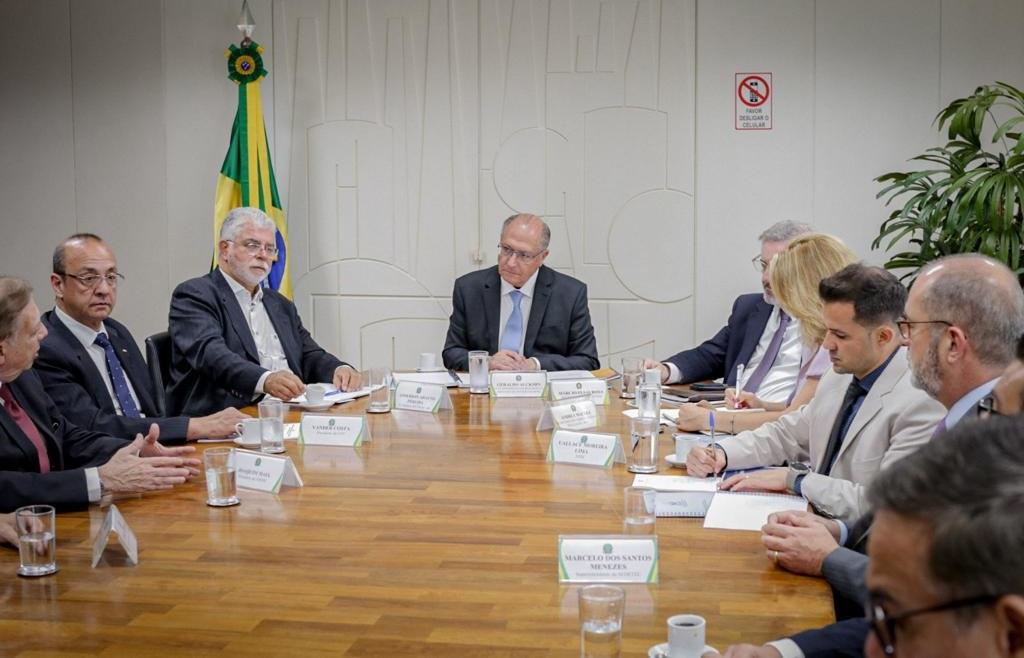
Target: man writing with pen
865, 414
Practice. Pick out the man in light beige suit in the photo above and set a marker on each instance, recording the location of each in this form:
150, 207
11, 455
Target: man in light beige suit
865, 415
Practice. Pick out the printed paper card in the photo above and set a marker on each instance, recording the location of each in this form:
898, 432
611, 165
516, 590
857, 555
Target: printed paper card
330, 430
115, 522
573, 414
585, 448
612, 559
262, 472
525, 384
418, 396
597, 389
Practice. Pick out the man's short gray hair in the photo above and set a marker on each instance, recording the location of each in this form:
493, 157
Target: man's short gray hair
968, 485
15, 294
991, 315
545, 231
239, 217
784, 230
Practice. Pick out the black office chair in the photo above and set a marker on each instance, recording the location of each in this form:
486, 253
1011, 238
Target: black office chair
158, 357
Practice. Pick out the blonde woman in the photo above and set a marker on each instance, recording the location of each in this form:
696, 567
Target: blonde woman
794, 275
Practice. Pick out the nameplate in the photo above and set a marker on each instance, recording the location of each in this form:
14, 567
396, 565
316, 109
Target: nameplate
612, 559
262, 472
597, 389
417, 396
585, 448
328, 430
532, 384
574, 414
114, 522
679, 495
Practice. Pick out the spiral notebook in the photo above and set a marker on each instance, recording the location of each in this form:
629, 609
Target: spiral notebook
748, 510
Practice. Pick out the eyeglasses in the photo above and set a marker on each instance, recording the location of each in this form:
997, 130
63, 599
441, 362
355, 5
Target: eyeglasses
509, 252
255, 246
92, 280
884, 626
906, 326
759, 263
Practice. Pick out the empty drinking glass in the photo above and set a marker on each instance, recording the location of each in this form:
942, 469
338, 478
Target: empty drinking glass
601, 608
220, 477
631, 371
271, 426
638, 511
37, 540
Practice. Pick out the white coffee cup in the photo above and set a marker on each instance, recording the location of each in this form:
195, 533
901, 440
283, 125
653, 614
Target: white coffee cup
315, 393
249, 431
687, 442
686, 636
428, 361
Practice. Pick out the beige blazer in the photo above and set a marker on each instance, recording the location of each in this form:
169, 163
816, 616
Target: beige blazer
894, 420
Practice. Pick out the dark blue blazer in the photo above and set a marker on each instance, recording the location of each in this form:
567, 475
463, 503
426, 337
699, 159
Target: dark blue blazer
70, 449
843, 639
76, 385
732, 345
214, 361
559, 333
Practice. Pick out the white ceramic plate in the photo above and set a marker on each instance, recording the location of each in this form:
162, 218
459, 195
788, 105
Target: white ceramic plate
661, 650
309, 406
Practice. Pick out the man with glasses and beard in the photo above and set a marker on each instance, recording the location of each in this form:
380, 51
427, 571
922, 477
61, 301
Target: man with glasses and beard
524, 314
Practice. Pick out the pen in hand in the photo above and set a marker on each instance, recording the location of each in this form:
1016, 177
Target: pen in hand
711, 446
739, 386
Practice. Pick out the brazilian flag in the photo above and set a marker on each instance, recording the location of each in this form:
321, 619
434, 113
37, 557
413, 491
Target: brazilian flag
247, 176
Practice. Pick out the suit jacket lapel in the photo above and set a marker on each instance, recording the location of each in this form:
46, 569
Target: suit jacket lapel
492, 308
755, 328
873, 400
137, 374
279, 316
88, 366
237, 320
541, 297
42, 424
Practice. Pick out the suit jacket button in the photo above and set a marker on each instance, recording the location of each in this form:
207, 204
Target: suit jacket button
56, 426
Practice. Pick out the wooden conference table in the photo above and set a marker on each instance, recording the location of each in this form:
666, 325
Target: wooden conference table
438, 539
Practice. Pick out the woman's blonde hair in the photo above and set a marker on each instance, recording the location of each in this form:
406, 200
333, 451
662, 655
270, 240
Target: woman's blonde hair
795, 273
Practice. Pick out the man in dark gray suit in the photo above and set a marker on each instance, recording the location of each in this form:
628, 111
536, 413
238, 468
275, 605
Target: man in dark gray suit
234, 340
525, 315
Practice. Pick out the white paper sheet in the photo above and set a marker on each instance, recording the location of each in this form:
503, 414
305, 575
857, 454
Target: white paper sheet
748, 511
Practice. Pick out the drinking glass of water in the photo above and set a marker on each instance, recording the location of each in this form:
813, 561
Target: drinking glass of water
272, 426
631, 371
380, 390
601, 608
643, 441
478, 371
638, 511
37, 540
220, 477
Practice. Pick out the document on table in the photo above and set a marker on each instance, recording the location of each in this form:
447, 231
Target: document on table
668, 416
748, 510
334, 395
442, 378
569, 374
676, 483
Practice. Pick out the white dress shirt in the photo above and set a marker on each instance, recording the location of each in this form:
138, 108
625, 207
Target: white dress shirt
87, 337
525, 304
268, 345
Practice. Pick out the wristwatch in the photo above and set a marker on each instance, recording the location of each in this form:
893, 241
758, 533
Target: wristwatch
796, 473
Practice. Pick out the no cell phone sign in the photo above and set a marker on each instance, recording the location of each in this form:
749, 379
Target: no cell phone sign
753, 101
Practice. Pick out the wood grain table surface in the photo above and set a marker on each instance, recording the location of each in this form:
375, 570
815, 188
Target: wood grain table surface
438, 538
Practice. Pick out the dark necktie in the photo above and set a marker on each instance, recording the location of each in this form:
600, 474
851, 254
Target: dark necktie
770, 355
835, 439
118, 379
26, 425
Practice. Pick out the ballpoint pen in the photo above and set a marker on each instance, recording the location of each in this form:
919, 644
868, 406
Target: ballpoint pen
711, 446
739, 386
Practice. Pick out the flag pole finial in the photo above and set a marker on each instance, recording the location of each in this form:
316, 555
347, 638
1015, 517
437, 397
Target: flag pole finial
246, 23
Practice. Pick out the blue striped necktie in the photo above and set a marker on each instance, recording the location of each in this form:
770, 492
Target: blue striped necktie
513, 335
117, 378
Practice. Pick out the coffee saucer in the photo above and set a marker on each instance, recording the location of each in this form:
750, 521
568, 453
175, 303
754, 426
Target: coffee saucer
247, 444
661, 650
674, 461
309, 406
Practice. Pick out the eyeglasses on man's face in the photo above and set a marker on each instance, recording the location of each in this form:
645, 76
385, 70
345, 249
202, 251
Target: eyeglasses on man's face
759, 263
884, 625
508, 252
254, 247
907, 326
92, 280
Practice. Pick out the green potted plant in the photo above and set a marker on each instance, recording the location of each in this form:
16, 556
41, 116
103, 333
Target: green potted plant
969, 197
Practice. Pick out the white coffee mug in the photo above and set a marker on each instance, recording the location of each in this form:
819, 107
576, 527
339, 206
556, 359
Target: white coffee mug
249, 431
685, 443
428, 361
686, 636
315, 393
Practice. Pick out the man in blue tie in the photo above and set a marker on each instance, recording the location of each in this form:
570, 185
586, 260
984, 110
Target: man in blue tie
90, 364
524, 314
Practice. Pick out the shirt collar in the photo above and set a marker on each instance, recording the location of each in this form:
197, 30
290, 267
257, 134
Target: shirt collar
968, 402
241, 294
85, 335
527, 288
870, 378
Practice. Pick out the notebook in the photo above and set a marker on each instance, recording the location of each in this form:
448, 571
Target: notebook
748, 510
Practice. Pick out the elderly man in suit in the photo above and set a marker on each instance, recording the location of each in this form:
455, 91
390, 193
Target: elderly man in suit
865, 415
758, 334
46, 459
234, 340
524, 314
90, 363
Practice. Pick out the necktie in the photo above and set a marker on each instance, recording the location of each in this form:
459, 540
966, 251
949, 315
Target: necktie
770, 354
26, 425
941, 428
835, 438
513, 336
117, 378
